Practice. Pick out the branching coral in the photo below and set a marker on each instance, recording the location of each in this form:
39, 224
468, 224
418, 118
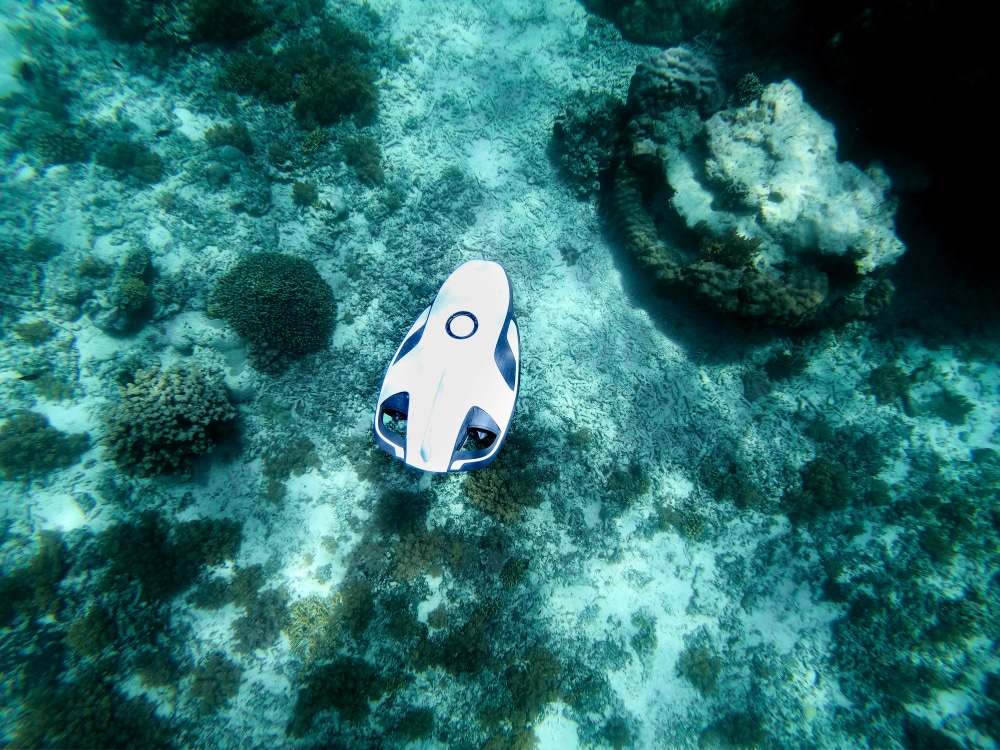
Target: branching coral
325, 95
345, 685
279, 303
164, 561
165, 419
826, 486
128, 159
266, 617
365, 156
31, 447
701, 667
304, 193
888, 383
216, 680
236, 135
584, 136
504, 489
88, 712
622, 488
33, 589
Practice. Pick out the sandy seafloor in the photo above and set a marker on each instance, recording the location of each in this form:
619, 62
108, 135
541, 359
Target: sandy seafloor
656, 388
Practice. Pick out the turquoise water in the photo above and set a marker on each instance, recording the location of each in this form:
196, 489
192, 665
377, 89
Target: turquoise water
749, 494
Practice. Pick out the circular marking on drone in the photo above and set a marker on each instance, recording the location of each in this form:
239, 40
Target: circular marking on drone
461, 325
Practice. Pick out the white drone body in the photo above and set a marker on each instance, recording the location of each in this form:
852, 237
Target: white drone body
449, 392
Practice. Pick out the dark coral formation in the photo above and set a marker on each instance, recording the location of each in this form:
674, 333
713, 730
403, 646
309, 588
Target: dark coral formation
89, 712
669, 97
505, 489
659, 22
129, 159
279, 303
168, 24
583, 138
32, 591
31, 447
826, 486
345, 685
165, 419
163, 560
325, 75
672, 78
699, 665
365, 157
236, 135
216, 680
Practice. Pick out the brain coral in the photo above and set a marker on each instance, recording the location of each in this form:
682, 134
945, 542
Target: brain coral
763, 179
673, 77
164, 419
279, 303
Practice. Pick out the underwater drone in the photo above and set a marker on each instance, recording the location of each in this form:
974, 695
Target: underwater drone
448, 394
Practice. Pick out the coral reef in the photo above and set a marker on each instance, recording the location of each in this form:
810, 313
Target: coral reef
504, 489
123, 20
345, 685
622, 487
225, 21
266, 617
584, 135
324, 96
293, 459
825, 487
952, 407
365, 157
169, 26
674, 78
88, 712
30, 447
32, 590
128, 159
157, 669
701, 667
129, 301
748, 89
33, 332
660, 22
92, 633
279, 303
413, 724
216, 680
888, 382
166, 418
164, 560
304, 193
513, 572
236, 135
733, 731
61, 144
785, 365
687, 520
763, 223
